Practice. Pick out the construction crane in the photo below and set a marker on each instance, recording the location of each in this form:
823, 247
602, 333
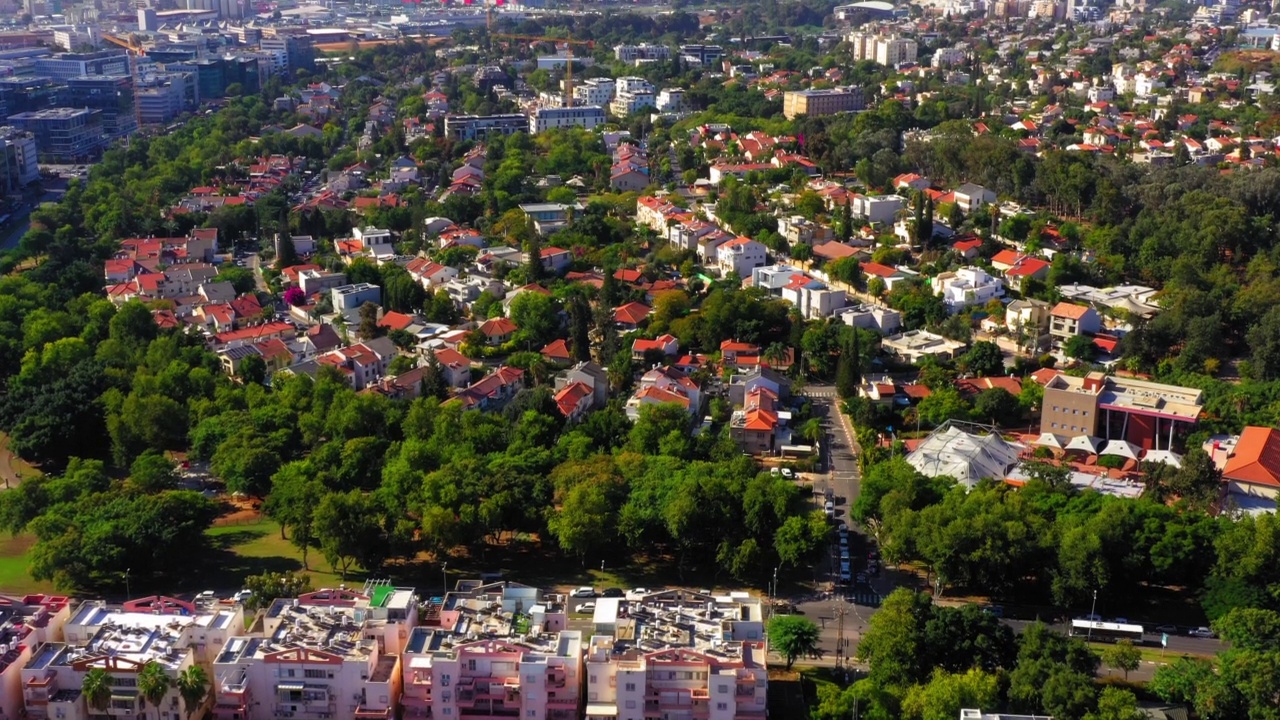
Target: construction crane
568, 54
136, 51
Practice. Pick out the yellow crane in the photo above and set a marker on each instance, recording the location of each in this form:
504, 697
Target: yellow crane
136, 51
568, 54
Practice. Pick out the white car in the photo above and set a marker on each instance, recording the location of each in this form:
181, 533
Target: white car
1202, 632
583, 592
587, 607
786, 473
830, 509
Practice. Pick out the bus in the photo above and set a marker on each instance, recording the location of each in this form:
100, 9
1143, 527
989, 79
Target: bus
1106, 631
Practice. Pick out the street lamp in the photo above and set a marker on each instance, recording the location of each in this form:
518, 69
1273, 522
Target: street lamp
444, 576
127, 592
1092, 615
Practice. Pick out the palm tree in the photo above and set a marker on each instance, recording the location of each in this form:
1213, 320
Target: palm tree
154, 684
776, 354
193, 685
96, 688
812, 430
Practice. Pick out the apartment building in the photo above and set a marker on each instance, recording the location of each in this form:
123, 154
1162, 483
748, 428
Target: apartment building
821, 102
677, 654
350, 297
1151, 416
643, 51
593, 91
477, 127
740, 256
888, 50
18, 167
329, 654
549, 217
25, 623
493, 650
121, 640
587, 117
632, 94
1067, 320
876, 209
701, 54
671, 100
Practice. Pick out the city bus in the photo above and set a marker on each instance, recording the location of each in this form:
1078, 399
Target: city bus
1106, 631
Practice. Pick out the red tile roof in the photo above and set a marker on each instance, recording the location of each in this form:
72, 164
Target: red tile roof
1257, 457
570, 396
498, 327
1069, 310
633, 313
557, 350
395, 320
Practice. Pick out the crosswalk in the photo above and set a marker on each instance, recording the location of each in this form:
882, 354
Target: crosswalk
865, 597
819, 393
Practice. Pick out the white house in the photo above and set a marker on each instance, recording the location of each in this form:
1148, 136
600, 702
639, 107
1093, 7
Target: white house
740, 256
965, 287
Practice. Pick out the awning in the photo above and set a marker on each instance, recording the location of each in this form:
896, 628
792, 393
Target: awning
1166, 457
1050, 440
601, 710
1084, 443
291, 686
1121, 448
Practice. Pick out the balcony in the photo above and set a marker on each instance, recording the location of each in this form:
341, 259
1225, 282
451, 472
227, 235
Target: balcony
373, 714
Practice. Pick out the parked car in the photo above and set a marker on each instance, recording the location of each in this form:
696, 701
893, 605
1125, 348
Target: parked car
587, 607
583, 592
787, 473
993, 610
844, 542
830, 509
1167, 629
613, 593
1202, 632
775, 471
844, 574
844, 554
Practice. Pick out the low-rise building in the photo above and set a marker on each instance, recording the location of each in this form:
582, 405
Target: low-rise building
586, 116
346, 298
915, 345
549, 217
877, 209
738, 257
333, 652
760, 427
882, 319
478, 127
816, 103
1148, 415
677, 653
966, 287
1067, 320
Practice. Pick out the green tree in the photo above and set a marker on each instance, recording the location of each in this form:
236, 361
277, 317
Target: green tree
369, 328
268, 587
253, 370
849, 367
942, 405
996, 405
152, 472
96, 688
1079, 347
537, 316
792, 636
984, 359
193, 686
153, 684
893, 642
286, 251
1122, 656
947, 693
1116, 703
1250, 629
1264, 345
295, 492
346, 527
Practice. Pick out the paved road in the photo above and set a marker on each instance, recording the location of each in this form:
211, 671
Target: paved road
255, 264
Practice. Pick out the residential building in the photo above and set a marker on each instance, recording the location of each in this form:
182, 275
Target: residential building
121, 640
815, 103
915, 345
64, 135
591, 375
677, 653
346, 298
882, 319
18, 166
701, 54
877, 209
888, 50
632, 94
1151, 416
549, 217
1027, 321
498, 330
362, 364
796, 229
738, 257
593, 92
970, 197
494, 390
586, 116
490, 650
667, 344
1253, 467
761, 376
973, 714
26, 624
329, 653
671, 100
477, 127
454, 366
966, 287
643, 51
760, 427
1136, 300
1066, 320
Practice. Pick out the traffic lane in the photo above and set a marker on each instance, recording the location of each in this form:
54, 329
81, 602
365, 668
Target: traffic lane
1178, 644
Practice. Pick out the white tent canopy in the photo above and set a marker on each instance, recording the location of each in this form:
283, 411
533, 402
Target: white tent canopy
1084, 443
1050, 440
1163, 456
1121, 448
967, 457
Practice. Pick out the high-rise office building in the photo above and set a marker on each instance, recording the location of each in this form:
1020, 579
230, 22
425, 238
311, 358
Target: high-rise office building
113, 95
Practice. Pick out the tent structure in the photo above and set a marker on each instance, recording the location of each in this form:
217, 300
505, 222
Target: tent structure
966, 456
1122, 448
1085, 444
1051, 440
1167, 457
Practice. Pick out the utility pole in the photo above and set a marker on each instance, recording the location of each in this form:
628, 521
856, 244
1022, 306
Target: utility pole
840, 612
1092, 614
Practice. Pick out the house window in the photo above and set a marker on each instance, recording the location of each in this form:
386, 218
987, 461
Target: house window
631, 687
724, 688
631, 704
722, 706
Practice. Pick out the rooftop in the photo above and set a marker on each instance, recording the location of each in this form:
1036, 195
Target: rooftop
723, 627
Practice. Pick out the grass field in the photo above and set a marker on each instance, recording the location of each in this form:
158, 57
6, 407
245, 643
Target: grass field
14, 559
252, 549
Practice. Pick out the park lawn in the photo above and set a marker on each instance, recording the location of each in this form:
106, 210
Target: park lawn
15, 558
252, 549
1149, 654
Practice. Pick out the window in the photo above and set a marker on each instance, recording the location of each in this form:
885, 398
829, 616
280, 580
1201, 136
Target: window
593, 678
631, 687
533, 713
289, 672
723, 688
631, 704
316, 674
722, 706
446, 696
